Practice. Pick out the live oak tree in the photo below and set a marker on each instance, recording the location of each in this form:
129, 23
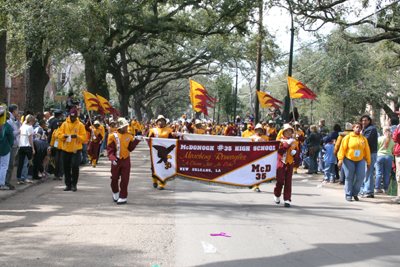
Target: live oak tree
33, 37
382, 16
3, 48
347, 77
123, 26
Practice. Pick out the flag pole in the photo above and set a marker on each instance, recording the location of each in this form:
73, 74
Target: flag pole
294, 117
88, 111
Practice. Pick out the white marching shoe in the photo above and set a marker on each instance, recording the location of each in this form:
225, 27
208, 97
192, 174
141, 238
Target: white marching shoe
277, 200
115, 196
121, 201
287, 203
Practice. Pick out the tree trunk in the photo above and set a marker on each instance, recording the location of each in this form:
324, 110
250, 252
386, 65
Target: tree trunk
389, 111
3, 53
123, 103
95, 78
138, 110
149, 112
36, 81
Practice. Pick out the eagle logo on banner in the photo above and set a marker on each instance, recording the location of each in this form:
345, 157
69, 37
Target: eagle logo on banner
162, 153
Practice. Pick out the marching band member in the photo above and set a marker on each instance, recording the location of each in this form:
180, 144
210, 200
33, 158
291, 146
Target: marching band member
231, 130
258, 136
113, 129
286, 152
134, 126
72, 133
96, 137
119, 145
59, 145
299, 136
161, 131
271, 131
198, 127
249, 132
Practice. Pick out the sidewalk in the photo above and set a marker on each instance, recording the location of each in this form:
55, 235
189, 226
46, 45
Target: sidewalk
317, 180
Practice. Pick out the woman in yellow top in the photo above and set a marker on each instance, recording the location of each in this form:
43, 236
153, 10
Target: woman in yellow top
354, 152
249, 132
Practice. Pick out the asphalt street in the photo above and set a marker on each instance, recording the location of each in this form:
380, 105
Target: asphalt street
41, 225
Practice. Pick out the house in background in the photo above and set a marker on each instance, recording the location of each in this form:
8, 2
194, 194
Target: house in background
15, 90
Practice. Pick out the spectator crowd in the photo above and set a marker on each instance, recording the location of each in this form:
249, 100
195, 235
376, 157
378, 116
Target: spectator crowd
35, 146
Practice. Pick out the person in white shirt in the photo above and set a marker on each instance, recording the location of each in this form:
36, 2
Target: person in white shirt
26, 148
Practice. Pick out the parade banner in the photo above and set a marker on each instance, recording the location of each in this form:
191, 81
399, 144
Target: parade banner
206, 137
240, 164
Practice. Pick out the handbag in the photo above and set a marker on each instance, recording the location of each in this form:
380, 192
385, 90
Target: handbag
392, 188
311, 150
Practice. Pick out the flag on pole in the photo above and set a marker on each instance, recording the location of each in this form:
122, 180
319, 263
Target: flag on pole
299, 90
199, 97
107, 106
267, 101
92, 103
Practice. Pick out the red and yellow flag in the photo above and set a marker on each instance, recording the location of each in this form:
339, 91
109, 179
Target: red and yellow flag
267, 101
107, 106
299, 90
92, 103
199, 97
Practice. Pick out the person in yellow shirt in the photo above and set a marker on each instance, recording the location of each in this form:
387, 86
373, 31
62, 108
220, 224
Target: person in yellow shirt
96, 136
258, 136
288, 148
140, 129
72, 132
160, 131
113, 129
198, 127
249, 132
353, 153
210, 130
135, 126
119, 145
58, 159
270, 130
220, 129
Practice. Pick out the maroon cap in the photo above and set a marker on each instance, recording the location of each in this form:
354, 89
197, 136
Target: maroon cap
73, 112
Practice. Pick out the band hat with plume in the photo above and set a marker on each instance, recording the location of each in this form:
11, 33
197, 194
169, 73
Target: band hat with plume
259, 126
287, 126
160, 117
122, 123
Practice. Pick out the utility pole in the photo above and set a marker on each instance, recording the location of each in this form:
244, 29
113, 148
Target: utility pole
259, 54
234, 108
287, 98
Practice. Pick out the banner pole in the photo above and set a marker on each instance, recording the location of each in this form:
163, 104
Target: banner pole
294, 117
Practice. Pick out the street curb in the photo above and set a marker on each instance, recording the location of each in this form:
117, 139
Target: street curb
10, 193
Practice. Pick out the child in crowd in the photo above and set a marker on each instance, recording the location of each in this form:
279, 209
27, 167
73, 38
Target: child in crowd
329, 159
